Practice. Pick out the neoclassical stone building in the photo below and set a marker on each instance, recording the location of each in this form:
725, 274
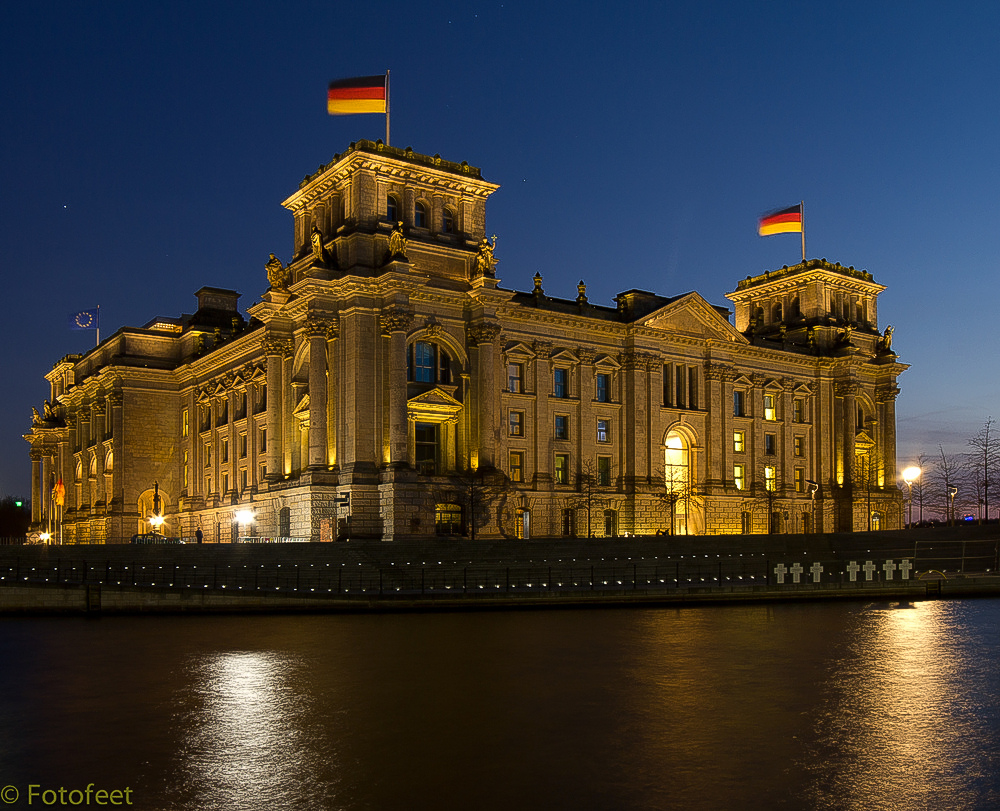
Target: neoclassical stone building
386, 364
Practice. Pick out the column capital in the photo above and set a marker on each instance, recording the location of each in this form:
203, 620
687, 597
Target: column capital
390, 321
484, 333
321, 326
277, 345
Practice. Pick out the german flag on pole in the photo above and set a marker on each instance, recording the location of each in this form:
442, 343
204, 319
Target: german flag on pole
786, 221
364, 94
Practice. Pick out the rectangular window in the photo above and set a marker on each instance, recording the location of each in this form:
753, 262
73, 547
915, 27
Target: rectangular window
739, 403
516, 461
797, 410
562, 426
567, 522
516, 423
560, 386
243, 446
263, 441
800, 445
679, 387
770, 479
208, 484
185, 470
423, 362
739, 477
225, 450
225, 482
692, 387
770, 414
604, 471
184, 422
739, 441
263, 473
770, 444
426, 448
603, 388
562, 468
800, 480
515, 377
243, 479
208, 454
668, 373
604, 430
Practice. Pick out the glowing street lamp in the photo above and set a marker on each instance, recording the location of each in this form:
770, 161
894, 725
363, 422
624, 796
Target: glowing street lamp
244, 518
910, 475
952, 492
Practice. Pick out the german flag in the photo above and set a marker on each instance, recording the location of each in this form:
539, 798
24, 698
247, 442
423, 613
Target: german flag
364, 94
786, 221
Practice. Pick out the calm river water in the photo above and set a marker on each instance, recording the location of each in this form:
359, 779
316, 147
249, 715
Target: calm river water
837, 705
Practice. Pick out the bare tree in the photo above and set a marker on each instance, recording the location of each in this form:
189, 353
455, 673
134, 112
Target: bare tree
594, 484
982, 464
945, 478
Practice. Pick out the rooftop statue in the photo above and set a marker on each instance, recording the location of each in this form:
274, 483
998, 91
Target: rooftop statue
318, 248
485, 263
277, 277
885, 342
397, 243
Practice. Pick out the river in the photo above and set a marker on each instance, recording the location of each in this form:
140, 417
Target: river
839, 705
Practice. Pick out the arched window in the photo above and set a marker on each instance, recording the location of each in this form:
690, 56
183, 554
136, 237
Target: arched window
420, 215
109, 462
448, 221
391, 209
79, 471
777, 313
428, 363
93, 467
676, 465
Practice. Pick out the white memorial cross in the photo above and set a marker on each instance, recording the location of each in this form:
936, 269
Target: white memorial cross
869, 568
817, 570
779, 572
888, 567
904, 568
796, 571
853, 569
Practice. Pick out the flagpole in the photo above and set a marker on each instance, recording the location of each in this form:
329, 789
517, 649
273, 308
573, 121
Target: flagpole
98, 325
387, 108
802, 214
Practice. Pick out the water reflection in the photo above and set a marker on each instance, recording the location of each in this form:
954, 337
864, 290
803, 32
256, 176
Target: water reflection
248, 739
898, 724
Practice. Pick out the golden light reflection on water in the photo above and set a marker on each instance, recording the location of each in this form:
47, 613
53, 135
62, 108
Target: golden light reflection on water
894, 729
248, 738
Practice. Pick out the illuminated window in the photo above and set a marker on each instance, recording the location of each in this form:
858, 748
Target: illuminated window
603, 471
562, 426
184, 422
603, 388
562, 468
516, 423
516, 460
799, 444
800, 480
770, 444
420, 215
676, 463
604, 430
770, 413
515, 377
560, 383
739, 477
770, 479
448, 519
739, 442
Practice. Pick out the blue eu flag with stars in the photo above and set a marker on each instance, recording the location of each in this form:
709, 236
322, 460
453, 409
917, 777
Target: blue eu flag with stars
85, 319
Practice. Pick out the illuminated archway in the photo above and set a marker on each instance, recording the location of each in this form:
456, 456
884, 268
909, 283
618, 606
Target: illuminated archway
677, 479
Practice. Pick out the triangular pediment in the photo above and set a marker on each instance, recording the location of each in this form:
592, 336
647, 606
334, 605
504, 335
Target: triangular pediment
435, 405
517, 348
692, 316
435, 396
565, 356
302, 409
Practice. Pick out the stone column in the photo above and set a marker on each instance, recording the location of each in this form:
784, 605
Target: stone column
275, 348
317, 328
848, 391
394, 324
97, 422
36, 485
484, 336
117, 532
332, 393
716, 443
886, 398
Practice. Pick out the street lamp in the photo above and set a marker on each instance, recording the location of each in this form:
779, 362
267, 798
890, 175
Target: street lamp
952, 492
157, 519
244, 517
910, 475
813, 488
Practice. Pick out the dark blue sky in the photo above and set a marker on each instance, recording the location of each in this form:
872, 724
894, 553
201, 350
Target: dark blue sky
146, 149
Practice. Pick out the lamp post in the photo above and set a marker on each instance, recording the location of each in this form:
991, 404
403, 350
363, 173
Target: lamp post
813, 488
952, 492
910, 475
244, 517
156, 519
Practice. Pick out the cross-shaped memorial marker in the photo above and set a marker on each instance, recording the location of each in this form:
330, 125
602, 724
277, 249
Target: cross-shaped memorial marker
888, 567
796, 571
817, 570
904, 568
779, 572
852, 570
869, 568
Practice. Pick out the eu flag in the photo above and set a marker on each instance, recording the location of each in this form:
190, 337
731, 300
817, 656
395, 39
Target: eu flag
85, 319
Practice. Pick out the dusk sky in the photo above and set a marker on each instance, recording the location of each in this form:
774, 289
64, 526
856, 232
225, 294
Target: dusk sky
146, 149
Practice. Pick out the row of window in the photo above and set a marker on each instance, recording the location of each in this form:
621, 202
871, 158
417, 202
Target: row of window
516, 426
393, 213
770, 478
602, 471
560, 383
741, 403
770, 444
222, 411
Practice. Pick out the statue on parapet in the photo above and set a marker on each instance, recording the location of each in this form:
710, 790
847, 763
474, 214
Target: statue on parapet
885, 342
320, 253
277, 275
485, 261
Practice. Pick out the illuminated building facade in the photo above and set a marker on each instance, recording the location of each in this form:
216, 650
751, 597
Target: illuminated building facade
387, 364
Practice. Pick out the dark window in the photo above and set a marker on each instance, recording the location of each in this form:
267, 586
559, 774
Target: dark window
603, 471
420, 215
285, 522
603, 388
391, 209
739, 403
515, 375
423, 362
426, 448
604, 430
770, 444
517, 423
562, 427
560, 387
567, 522
448, 221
